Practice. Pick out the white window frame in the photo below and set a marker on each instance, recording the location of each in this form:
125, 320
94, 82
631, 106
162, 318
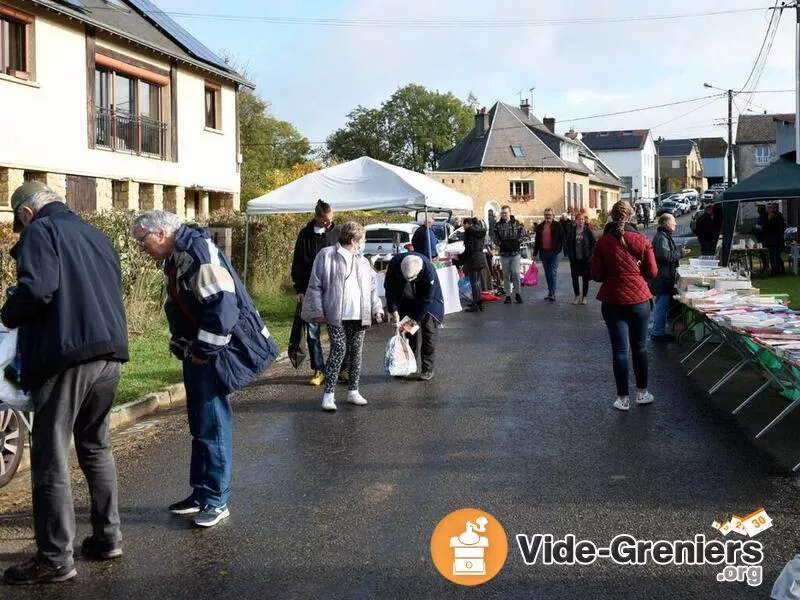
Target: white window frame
761, 155
676, 163
516, 187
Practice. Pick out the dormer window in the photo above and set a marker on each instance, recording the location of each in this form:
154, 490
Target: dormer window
603, 134
518, 151
627, 133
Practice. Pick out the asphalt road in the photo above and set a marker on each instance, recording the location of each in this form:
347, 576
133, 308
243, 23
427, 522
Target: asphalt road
517, 421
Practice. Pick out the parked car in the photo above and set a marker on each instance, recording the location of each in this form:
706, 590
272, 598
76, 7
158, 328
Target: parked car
690, 192
709, 195
681, 200
670, 207
790, 235
386, 238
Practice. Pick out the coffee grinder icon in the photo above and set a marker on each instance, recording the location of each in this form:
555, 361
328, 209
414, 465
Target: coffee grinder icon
469, 549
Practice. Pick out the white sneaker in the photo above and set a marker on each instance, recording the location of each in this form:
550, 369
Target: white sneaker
576, 300
583, 300
622, 403
353, 397
644, 397
328, 403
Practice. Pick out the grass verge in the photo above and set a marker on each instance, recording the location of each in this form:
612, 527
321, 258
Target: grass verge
152, 367
786, 284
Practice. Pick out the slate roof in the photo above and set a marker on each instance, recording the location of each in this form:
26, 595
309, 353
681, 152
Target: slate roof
629, 139
602, 173
133, 26
712, 147
758, 129
674, 147
508, 126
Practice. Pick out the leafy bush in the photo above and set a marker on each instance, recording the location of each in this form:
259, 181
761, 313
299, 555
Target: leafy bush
272, 241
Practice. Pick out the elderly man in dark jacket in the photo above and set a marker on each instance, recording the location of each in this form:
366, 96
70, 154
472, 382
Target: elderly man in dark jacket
507, 235
412, 289
73, 338
668, 256
321, 232
224, 345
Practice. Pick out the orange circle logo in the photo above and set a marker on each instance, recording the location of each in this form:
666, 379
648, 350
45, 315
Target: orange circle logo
469, 546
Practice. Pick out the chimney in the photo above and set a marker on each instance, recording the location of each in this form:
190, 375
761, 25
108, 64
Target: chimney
481, 121
550, 123
525, 108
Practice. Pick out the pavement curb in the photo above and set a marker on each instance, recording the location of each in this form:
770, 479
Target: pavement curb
129, 413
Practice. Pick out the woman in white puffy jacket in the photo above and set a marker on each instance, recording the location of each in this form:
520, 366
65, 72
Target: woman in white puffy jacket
341, 293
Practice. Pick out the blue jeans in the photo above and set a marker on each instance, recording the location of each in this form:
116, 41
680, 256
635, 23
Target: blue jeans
660, 313
315, 354
211, 425
628, 323
550, 264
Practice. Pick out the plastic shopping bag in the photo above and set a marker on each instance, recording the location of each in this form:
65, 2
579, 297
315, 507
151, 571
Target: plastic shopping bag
400, 360
465, 288
531, 277
10, 394
787, 586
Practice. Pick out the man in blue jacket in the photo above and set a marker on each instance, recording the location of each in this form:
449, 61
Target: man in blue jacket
412, 289
218, 334
67, 305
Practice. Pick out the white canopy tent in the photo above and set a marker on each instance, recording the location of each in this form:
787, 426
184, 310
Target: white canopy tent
360, 184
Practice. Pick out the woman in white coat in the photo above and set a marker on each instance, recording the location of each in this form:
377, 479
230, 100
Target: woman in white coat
342, 294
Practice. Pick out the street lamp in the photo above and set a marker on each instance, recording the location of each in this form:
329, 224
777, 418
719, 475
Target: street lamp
730, 129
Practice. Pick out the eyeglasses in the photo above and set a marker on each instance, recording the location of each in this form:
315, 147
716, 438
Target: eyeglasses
141, 240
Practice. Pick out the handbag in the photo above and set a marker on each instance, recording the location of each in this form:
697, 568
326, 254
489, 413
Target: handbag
296, 352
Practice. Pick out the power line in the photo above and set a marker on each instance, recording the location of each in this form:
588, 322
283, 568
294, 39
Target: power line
633, 110
766, 48
452, 23
695, 109
763, 44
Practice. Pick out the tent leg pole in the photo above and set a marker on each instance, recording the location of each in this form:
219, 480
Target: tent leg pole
428, 237
246, 245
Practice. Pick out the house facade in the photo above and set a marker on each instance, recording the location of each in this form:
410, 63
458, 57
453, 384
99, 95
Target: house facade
112, 104
714, 156
511, 157
756, 142
631, 154
680, 165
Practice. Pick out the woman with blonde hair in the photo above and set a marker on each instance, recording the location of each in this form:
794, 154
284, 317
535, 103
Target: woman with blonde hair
623, 262
341, 293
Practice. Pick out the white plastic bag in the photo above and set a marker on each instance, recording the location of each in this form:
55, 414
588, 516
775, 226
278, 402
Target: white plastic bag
787, 586
400, 360
10, 395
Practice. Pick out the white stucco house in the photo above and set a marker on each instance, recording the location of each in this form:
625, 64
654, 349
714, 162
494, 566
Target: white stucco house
112, 104
631, 154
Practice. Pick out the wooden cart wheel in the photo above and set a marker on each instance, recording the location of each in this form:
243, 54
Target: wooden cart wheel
12, 443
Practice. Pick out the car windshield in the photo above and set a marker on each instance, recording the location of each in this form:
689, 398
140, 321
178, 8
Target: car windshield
668, 204
387, 236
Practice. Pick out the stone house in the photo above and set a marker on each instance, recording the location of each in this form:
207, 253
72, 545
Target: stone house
511, 157
680, 165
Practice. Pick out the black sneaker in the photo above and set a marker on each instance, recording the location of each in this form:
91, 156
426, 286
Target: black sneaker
37, 571
507, 300
518, 298
95, 549
426, 376
211, 515
189, 506
667, 337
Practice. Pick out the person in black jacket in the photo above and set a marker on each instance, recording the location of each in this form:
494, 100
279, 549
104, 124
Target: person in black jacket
320, 233
507, 236
774, 229
707, 231
73, 338
578, 248
473, 259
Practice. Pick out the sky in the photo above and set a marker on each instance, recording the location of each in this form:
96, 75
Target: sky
313, 75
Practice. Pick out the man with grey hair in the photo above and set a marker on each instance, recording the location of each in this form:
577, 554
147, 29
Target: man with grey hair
219, 336
67, 305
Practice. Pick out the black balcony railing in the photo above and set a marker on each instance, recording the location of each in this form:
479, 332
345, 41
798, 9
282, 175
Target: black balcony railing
124, 132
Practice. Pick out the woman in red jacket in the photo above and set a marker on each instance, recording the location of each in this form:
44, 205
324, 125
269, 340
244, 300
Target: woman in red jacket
623, 261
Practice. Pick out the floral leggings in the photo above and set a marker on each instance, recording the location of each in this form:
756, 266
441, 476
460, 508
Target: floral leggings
345, 340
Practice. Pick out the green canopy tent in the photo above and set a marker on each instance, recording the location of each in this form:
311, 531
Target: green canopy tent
778, 181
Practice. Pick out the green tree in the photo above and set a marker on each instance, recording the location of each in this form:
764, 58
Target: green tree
267, 143
411, 129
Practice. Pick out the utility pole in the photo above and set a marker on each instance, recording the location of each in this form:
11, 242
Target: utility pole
730, 138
